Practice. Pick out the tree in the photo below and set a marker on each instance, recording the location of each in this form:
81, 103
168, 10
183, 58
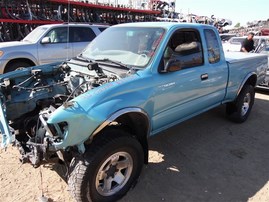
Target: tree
237, 25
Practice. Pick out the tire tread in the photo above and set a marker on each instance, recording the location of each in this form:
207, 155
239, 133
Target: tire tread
79, 164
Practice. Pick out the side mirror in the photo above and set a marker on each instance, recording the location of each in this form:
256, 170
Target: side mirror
46, 40
172, 65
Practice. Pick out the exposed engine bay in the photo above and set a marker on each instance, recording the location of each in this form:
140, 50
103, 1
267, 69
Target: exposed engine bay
29, 98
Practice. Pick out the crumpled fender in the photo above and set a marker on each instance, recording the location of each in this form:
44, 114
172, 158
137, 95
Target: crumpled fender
91, 109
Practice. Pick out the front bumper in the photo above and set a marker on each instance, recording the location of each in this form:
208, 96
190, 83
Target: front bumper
58, 132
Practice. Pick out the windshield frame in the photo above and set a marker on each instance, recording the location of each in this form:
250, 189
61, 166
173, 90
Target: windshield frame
159, 34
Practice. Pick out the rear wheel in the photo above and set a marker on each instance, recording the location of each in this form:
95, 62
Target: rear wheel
239, 110
16, 65
108, 169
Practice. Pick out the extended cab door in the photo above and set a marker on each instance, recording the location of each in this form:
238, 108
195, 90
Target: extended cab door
55, 46
198, 77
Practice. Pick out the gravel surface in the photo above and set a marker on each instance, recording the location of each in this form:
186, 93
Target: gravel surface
207, 158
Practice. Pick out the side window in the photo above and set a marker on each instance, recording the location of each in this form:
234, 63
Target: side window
213, 47
82, 34
185, 47
58, 35
102, 28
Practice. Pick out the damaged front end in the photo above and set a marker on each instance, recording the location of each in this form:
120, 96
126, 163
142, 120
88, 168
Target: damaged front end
28, 99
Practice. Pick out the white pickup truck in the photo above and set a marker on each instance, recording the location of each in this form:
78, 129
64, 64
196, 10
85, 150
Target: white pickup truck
47, 44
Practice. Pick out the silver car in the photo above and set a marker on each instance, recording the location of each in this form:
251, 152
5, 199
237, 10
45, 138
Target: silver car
47, 44
235, 43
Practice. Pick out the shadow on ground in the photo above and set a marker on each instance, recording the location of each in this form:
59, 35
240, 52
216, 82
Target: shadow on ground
208, 159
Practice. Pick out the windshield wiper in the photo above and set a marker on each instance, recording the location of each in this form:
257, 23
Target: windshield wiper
80, 57
105, 60
120, 64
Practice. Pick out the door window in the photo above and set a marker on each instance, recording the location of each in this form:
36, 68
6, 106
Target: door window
185, 47
82, 34
102, 28
58, 35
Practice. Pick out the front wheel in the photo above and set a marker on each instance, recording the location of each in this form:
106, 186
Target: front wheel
239, 110
109, 168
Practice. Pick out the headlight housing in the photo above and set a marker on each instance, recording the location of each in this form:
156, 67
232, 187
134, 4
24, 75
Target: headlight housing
58, 130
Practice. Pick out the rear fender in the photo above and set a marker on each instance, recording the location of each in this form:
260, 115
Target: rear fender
251, 79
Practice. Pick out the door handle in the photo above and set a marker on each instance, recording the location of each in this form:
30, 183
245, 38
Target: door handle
204, 77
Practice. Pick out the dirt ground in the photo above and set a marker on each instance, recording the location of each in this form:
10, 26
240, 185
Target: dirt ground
204, 159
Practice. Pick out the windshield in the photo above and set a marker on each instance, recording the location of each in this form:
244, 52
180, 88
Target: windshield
35, 34
131, 46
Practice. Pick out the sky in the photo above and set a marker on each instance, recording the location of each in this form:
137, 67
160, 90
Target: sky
241, 11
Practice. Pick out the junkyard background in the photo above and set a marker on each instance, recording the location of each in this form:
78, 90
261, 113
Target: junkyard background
207, 158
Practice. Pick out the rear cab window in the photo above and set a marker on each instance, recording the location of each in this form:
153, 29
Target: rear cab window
213, 47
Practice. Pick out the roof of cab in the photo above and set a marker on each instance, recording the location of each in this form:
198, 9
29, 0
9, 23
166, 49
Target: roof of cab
165, 25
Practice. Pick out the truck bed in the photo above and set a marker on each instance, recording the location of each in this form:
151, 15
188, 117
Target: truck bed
242, 64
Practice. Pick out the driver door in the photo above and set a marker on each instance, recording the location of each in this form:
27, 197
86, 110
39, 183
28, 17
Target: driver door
197, 85
56, 48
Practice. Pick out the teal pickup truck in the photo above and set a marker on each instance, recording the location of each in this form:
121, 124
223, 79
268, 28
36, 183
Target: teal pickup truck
96, 112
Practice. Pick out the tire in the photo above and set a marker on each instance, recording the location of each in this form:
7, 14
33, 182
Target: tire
16, 65
114, 161
239, 110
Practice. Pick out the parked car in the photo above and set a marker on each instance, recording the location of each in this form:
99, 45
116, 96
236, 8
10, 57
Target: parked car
97, 111
265, 83
46, 44
234, 44
225, 37
224, 22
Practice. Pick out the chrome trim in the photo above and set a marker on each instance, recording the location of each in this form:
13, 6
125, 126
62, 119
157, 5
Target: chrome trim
244, 82
117, 114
